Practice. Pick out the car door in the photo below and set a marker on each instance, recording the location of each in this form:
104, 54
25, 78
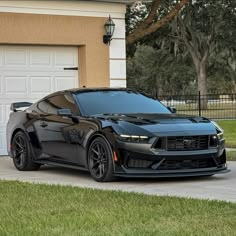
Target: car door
55, 131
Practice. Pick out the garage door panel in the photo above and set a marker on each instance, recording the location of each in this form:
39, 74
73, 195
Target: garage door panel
1, 85
1, 113
65, 58
28, 73
16, 57
37, 69
1, 56
62, 82
40, 84
3, 140
39, 58
16, 85
4, 113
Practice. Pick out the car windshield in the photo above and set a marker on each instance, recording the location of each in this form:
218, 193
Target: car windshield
117, 102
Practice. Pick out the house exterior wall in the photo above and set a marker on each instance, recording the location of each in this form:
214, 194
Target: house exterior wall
71, 23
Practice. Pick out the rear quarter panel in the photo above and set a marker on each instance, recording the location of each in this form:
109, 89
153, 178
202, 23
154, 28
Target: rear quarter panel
16, 122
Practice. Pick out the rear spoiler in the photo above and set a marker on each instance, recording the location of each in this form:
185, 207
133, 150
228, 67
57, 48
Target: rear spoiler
15, 106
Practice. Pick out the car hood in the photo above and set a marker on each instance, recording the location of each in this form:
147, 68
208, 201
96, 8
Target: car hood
159, 124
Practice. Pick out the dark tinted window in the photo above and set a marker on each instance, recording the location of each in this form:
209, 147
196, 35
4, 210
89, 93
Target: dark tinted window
119, 102
43, 106
52, 104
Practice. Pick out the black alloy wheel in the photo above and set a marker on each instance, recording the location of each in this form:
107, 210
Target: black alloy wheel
21, 151
100, 160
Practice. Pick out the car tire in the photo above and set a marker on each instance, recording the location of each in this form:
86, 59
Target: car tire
100, 160
22, 154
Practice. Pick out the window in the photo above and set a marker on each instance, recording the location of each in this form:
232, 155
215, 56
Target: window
118, 102
52, 104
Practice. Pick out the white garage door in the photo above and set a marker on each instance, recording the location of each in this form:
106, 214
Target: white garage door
28, 73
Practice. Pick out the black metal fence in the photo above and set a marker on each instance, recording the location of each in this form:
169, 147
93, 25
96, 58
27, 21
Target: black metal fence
212, 106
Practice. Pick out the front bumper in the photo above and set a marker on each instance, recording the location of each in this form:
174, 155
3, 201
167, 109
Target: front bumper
150, 163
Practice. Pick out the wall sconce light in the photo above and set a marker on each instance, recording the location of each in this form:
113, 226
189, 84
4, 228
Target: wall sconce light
110, 28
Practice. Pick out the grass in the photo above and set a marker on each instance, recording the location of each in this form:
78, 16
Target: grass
213, 111
231, 155
31, 209
229, 127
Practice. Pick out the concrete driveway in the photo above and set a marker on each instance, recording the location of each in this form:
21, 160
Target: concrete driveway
221, 187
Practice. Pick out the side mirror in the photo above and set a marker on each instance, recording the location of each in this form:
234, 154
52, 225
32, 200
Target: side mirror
64, 112
172, 109
68, 113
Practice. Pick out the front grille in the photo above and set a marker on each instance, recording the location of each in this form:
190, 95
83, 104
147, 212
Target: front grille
186, 143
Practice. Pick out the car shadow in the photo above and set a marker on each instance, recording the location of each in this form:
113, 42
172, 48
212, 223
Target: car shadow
63, 171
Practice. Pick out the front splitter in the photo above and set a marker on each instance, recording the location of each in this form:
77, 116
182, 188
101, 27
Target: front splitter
135, 173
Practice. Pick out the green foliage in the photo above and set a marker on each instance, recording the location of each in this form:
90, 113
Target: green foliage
159, 71
166, 65
133, 18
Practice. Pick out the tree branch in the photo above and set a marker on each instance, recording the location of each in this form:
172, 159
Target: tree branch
151, 15
139, 32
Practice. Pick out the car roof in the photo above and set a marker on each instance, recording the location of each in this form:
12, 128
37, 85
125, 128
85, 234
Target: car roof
96, 89
84, 90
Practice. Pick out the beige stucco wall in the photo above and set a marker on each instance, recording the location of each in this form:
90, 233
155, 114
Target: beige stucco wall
82, 31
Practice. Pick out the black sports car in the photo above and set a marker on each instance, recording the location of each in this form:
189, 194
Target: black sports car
113, 132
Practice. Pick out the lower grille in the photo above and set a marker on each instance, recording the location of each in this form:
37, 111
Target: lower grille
152, 162
137, 163
187, 143
186, 164
137, 160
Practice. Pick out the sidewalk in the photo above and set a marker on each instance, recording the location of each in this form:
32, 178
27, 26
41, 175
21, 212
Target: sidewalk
216, 187
230, 149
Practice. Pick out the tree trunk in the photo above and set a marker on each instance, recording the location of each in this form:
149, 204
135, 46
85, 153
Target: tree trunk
202, 84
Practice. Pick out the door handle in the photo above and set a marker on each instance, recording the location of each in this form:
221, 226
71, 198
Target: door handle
43, 124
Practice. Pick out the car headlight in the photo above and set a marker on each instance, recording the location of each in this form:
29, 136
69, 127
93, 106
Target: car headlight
220, 136
134, 138
219, 130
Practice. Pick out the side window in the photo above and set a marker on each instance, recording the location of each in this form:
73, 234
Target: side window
52, 104
43, 106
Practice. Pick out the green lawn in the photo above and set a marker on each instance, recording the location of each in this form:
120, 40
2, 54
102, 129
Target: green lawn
231, 155
30, 209
214, 111
229, 127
